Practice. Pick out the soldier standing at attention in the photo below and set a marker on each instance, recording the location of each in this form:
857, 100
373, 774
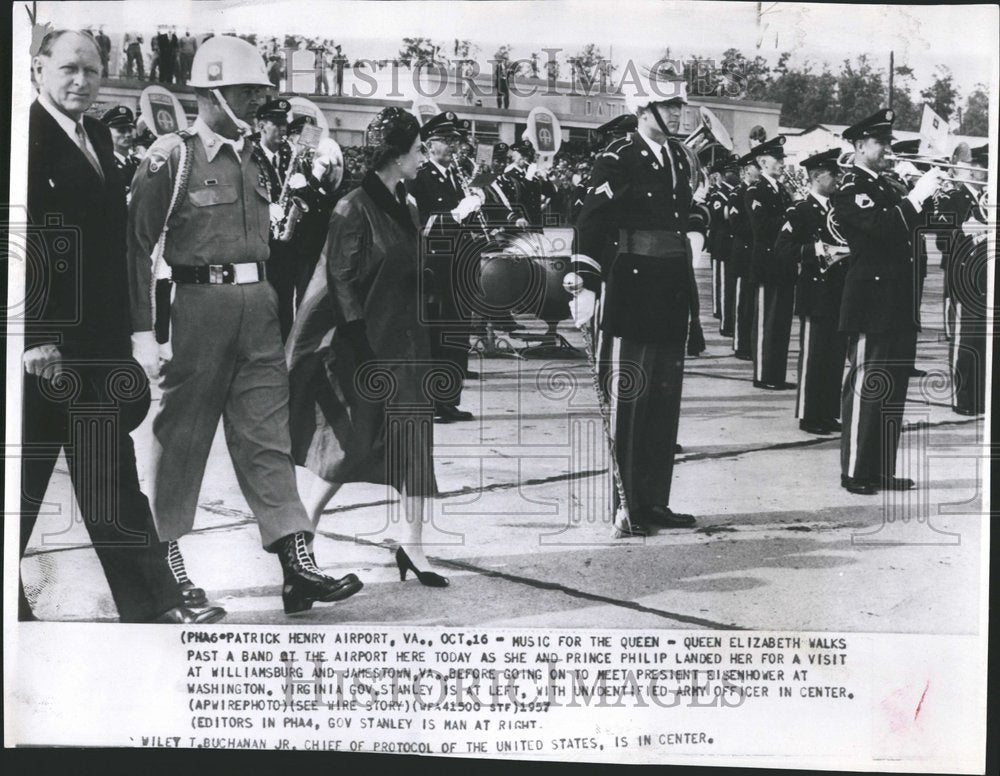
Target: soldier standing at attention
200, 205
121, 122
641, 185
878, 312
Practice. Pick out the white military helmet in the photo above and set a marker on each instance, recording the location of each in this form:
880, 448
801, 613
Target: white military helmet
225, 60
651, 85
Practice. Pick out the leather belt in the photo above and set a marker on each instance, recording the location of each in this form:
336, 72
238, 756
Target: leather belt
653, 242
220, 274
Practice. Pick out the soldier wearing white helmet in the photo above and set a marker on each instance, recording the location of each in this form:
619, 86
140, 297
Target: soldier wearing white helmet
641, 186
200, 209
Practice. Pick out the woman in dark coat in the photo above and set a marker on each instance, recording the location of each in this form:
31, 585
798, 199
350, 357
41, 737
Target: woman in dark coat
359, 358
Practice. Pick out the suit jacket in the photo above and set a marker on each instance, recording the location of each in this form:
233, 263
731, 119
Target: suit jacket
766, 213
80, 281
882, 283
817, 294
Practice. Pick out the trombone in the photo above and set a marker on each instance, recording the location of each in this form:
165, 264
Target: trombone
845, 162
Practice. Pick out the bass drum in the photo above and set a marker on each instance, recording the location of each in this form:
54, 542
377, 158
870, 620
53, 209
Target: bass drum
513, 283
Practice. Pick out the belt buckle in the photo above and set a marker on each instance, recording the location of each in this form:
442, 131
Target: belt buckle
216, 274
245, 273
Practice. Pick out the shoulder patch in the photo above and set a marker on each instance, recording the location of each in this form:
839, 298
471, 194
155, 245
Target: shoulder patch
787, 227
863, 201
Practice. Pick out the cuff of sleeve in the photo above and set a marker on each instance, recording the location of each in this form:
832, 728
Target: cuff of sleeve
914, 204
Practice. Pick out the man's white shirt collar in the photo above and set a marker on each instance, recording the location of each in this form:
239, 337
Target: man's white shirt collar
769, 179
866, 169
656, 148
824, 201
440, 167
68, 125
213, 141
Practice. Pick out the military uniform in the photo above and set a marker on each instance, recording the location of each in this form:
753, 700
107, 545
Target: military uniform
774, 281
743, 292
878, 313
644, 191
122, 119
227, 359
822, 348
967, 272
720, 242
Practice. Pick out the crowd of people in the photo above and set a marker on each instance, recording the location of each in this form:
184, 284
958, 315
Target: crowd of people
327, 322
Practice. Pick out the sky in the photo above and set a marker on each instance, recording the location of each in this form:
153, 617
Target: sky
922, 36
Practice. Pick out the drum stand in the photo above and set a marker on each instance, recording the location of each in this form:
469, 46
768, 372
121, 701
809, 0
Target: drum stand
493, 345
550, 344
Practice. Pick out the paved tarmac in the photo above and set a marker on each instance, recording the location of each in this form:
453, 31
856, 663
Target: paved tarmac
522, 528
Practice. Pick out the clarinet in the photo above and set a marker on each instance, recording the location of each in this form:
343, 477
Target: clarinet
467, 190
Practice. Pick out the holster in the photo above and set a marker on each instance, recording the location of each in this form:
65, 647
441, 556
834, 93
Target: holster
161, 326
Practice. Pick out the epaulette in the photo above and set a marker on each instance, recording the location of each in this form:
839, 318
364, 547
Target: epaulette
167, 143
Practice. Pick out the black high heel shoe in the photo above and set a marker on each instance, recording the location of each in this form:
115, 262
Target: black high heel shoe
427, 578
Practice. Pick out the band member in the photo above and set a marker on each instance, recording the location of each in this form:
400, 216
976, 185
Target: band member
766, 203
121, 122
967, 277
141, 144
806, 241
444, 207
362, 316
527, 187
721, 240
878, 311
742, 253
83, 391
641, 185
227, 358
272, 127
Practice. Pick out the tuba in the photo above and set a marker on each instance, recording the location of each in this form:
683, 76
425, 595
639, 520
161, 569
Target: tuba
830, 258
710, 134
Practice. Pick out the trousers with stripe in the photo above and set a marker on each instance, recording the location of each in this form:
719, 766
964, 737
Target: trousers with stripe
822, 353
873, 400
728, 302
772, 330
717, 276
643, 383
968, 356
744, 296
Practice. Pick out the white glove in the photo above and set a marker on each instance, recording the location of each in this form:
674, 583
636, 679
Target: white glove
582, 307
701, 192
469, 204
697, 240
297, 181
43, 361
531, 172
146, 350
926, 185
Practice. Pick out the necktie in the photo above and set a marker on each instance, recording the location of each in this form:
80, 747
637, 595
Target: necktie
81, 141
668, 164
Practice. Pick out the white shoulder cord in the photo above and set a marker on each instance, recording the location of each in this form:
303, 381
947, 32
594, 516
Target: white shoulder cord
161, 270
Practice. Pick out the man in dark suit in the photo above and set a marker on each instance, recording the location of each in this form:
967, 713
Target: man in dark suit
444, 208
766, 201
807, 240
83, 392
879, 311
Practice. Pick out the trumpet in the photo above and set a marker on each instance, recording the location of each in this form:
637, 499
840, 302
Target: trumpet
845, 162
836, 251
291, 206
463, 180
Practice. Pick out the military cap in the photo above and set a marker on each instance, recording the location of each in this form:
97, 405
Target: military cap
444, 126
500, 151
981, 154
275, 110
748, 160
772, 147
906, 146
877, 125
296, 124
118, 117
627, 122
824, 160
524, 147
727, 162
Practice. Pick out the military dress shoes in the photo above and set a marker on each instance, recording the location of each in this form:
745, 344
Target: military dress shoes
895, 483
449, 413
665, 517
811, 427
191, 615
858, 487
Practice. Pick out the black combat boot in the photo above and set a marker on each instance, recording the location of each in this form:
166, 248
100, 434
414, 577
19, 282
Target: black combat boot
304, 582
192, 595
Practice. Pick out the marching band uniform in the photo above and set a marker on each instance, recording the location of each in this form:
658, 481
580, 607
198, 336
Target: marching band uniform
644, 190
721, 246
879, 315
524, 191
822, 348
967, 273
121, 119
438, 193
742, 253
766, 203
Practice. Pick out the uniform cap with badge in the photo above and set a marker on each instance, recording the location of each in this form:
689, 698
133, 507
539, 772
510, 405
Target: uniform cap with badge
728, 162
275, 111
525, 148
773, 147
824, 160
619, 125
296, 124
878, 125
118, 117
444, 126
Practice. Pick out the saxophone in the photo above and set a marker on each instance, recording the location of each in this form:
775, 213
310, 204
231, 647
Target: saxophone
292, 206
